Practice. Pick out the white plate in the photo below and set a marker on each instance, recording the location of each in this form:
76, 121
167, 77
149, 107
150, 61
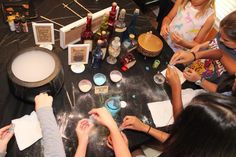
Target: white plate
77, 68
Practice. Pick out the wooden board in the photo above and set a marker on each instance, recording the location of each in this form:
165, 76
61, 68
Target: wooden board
71, 33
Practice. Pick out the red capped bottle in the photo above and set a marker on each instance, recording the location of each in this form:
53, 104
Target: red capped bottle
112, 18
87, 34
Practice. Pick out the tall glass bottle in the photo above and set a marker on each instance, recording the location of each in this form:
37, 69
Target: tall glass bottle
97, 56
114, 50
131, 29
17, 23
112, 18
104, 43
120, 25
24, 24
87, 34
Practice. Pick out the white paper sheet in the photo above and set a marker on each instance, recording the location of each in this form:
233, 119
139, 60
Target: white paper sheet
27, 130
180, 74
162, 113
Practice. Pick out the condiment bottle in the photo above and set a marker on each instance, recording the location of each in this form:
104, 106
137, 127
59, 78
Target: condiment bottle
10, 20
104, 43
114, 50
131, 29
87, 34
130, 44
97, 55
120, 25
17, 24
24, 24
112, 18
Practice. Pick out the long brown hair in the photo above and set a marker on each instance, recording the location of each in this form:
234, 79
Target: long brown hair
228, 24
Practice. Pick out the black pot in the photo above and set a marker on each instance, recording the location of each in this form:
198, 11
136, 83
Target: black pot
26, 90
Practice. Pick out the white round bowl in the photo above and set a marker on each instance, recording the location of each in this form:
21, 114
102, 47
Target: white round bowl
85, 85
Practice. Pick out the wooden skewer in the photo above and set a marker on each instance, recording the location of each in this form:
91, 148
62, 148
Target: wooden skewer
52, 21
66, 6
82, 6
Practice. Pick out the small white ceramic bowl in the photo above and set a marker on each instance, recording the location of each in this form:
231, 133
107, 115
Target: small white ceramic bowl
85, 85
115, 76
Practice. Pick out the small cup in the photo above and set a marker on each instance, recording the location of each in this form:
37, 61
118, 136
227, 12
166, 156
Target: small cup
99, 79
113, 106
115, 76
85, 85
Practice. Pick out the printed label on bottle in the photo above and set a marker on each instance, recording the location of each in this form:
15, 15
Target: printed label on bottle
90, 42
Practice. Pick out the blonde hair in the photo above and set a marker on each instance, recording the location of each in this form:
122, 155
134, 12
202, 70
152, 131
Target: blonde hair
203, 10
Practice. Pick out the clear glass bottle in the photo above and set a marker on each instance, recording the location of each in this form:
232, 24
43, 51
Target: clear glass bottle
97, 55
131, 29
114, 50
130, 44
87, 34
17, 23
104, 44
112, 18
120, 25
24, 24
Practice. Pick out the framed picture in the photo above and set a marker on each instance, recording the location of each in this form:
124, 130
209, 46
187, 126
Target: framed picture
43, 33
78, 53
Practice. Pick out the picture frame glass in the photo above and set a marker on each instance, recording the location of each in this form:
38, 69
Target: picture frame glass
43, 33
78, 54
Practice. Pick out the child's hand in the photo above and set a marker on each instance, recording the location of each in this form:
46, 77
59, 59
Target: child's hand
164, 31
5, 136
191, 75
102, 116
176, 38
43, 100
82, 130
196, 48
181, 57
133, 123
110, 143
172, 78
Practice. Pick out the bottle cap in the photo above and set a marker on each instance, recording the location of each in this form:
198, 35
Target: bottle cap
114, 4
136, 11
99, 42
89, 15
122, 11
117, 39
131, 36
104, 32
